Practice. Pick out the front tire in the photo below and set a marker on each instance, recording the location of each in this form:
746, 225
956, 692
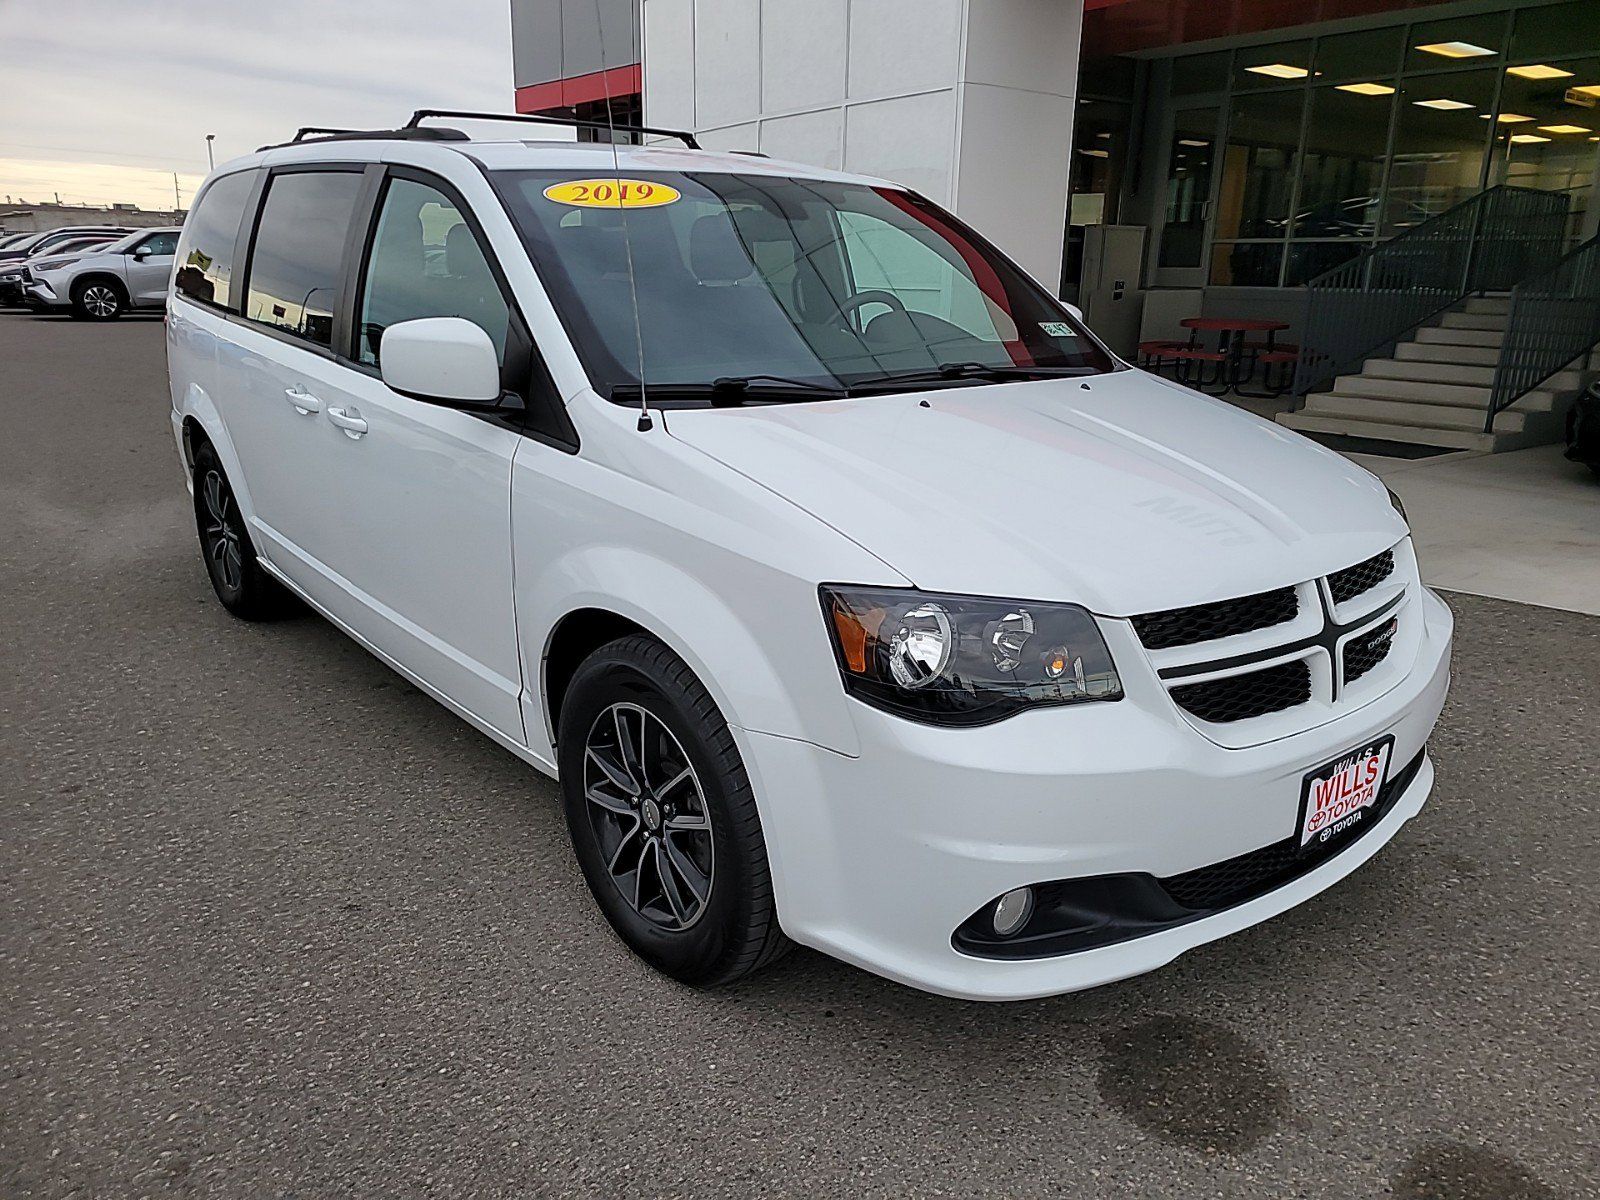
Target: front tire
662, 816
243, 587
99, 300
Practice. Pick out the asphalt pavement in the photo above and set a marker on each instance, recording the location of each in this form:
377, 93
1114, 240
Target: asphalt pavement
273, 924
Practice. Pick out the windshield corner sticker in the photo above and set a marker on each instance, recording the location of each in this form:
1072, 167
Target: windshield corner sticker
1056, 328
612, 193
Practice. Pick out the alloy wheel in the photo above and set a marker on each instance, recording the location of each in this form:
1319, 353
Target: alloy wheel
649, 816
100, 300
221, 530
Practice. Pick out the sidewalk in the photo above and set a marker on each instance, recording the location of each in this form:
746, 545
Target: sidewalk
1519, 526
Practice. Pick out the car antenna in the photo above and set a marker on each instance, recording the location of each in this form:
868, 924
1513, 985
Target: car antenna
646, 422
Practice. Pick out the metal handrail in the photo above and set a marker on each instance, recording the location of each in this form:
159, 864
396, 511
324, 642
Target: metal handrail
1486, 243
1553, 318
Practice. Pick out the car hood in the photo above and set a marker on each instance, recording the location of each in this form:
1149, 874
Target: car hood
1122, 492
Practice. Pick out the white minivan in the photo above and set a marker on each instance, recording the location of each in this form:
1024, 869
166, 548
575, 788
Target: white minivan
854, 593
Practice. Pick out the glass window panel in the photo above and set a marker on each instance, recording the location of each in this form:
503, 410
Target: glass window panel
1099, 148
205, 265
1273, 65
1346, 138
1258, 165
1197, 74
1372, 54
1191, 160
1246, 264
1551, 150
299, 252
1307, 260
1442, 132
1556, 29
1458, 42
426, 262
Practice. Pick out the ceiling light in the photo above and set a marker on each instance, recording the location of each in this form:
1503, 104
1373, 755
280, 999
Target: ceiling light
1280, 71
1367, 89
1446, 105
1565, 128
1539, 71
1192, 142
1106, 154
1513, 119
1523, 139
1455, 50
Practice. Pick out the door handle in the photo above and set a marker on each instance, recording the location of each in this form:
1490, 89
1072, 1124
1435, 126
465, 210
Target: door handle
349, 420
304, 402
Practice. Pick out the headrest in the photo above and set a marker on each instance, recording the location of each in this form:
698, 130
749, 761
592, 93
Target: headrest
461, 254
598, 248
715, 252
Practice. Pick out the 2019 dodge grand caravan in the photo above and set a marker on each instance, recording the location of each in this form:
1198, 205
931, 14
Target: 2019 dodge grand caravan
853, 591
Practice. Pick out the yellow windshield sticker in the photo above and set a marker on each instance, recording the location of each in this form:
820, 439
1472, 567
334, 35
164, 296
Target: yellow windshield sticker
612, 193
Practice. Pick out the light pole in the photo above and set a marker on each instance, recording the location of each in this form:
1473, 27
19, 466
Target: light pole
211, 162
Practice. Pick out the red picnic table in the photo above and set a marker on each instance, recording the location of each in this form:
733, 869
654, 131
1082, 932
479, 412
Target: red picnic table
1228, 360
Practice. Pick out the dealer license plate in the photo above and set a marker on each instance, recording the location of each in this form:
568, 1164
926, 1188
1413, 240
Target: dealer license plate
1338, 798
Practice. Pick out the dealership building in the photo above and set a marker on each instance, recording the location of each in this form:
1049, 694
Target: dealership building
1159, 160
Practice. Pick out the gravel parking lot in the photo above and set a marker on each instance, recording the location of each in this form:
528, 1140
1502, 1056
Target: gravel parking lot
276, 924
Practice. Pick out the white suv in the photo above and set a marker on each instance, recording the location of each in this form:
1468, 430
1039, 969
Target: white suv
854, 593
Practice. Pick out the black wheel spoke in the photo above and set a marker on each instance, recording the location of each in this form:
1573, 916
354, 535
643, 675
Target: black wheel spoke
649, 816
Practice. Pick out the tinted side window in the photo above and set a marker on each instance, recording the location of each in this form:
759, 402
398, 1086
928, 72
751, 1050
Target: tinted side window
161, 243
298, 256
426, 262
205, 262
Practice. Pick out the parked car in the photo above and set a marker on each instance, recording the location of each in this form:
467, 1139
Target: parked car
103, 284
1583, 429
13, 274
38, 243
852, 590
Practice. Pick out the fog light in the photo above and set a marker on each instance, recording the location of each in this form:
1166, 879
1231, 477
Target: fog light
1011, 911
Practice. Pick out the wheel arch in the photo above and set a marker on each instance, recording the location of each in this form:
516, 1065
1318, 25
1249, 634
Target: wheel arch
99, 276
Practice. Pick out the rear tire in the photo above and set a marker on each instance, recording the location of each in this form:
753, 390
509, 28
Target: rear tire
662, 816
243, 587
99, 300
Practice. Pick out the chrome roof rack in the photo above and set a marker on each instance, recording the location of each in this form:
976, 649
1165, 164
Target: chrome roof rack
317, 133
424, 114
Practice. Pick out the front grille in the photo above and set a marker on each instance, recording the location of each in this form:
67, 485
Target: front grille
1207, 622
1235, 880
1254, 694
1368, 650
1364, 576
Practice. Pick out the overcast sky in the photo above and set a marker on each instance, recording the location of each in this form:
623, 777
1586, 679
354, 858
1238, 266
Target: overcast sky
102, 100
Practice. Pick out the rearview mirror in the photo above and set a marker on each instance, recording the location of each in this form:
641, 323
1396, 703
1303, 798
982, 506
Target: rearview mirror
446, 360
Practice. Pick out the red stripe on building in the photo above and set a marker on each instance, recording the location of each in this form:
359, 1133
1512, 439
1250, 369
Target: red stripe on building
580, 89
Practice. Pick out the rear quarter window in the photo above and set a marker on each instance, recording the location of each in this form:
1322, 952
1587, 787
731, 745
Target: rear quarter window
205, 254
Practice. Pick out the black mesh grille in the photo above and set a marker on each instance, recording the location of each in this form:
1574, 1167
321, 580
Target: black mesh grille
1352, 581
1207, 622
1238, 697
1367, 651
1236, 880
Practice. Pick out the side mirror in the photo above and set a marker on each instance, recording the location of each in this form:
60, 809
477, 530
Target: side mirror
1077, 313
143, 252
445, 360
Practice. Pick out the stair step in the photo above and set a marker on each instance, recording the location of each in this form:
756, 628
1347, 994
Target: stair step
1452, 439
1452, 336
1474, 320
1495, 305
1451, 395
1435, 352
1462, 373
1400, 412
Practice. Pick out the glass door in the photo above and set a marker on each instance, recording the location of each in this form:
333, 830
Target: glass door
1191, 187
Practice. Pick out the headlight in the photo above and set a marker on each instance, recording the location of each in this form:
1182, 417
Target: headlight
1400, 508
964, 660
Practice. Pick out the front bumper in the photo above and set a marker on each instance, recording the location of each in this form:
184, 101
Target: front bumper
878, 859
40, 294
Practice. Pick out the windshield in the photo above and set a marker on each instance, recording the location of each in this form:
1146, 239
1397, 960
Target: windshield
780, 281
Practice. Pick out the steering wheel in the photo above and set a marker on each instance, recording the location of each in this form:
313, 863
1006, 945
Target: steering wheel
845, 307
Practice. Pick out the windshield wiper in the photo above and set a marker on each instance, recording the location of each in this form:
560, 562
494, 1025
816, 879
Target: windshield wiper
730, 391
955, 371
